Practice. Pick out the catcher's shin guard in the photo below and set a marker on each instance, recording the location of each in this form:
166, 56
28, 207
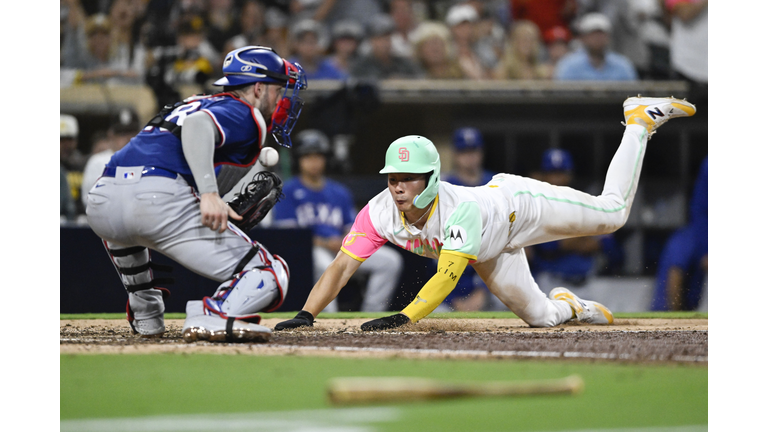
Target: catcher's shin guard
259, 286
145, 306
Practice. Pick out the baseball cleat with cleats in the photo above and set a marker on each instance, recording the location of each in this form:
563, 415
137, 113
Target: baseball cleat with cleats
585, 311
148, 328
216, 329
651, 113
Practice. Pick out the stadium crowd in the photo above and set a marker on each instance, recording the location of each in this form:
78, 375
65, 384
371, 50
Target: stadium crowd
163, 43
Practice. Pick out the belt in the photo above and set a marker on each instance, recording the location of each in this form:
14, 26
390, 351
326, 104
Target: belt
147, 171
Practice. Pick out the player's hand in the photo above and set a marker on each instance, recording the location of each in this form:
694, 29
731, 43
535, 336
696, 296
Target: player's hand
302, 319
386, 323
215, 212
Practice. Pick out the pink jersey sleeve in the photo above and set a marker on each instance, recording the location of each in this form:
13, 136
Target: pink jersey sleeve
363, 239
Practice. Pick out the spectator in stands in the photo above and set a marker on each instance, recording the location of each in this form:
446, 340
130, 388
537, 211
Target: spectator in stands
276, 35
641, 34
329, 12
327, 207
431, 42
557, 41
346, 37
688, 47
88, 53
128, 52
683, 264
222, 22
69, 130
594, 61
124, 125
546, 13
462, 19
491, 36
310, 40
72, 159
521, 59
195, 55
251, 27
380, 63
468, 156
570, 262
405, 20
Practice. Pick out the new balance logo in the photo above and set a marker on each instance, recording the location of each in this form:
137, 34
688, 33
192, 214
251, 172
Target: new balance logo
654, 114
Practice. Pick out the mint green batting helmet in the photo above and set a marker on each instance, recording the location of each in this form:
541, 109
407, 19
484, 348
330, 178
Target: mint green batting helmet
415, 154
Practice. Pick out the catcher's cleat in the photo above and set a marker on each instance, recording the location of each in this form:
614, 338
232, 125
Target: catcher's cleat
216, 329
651, 113
149, 328
584, 310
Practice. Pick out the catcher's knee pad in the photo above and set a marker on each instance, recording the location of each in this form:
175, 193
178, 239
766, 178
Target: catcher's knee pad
260, 288
145, 298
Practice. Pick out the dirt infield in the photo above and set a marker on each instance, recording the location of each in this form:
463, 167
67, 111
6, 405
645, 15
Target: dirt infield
631, 340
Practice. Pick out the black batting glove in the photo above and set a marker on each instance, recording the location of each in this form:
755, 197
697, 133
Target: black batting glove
386, 323
302, 319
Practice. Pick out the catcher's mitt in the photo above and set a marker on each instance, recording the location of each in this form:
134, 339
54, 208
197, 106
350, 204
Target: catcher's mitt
256, 199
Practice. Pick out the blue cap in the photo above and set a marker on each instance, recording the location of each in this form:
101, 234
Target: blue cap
467, 139
556, 160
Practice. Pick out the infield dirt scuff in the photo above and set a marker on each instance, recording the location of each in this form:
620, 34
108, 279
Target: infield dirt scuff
637, 340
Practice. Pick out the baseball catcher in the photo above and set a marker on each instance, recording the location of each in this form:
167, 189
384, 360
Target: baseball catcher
163, 191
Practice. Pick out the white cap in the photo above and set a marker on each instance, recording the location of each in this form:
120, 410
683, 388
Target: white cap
460, 13
594, 22
69, 127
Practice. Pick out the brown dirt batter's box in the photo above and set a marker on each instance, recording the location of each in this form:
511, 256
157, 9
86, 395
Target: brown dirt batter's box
634, 340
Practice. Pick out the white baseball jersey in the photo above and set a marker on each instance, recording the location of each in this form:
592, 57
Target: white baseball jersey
474, 222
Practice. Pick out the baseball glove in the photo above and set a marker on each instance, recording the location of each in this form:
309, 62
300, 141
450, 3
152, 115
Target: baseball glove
256, 199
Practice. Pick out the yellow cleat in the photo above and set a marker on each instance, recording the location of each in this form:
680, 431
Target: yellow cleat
584, 310
651, 113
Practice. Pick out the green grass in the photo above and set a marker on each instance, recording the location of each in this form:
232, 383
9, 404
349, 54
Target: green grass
615, 396
352, 315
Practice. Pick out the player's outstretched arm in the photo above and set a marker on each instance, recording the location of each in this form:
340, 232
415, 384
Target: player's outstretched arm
450, 267
325, 290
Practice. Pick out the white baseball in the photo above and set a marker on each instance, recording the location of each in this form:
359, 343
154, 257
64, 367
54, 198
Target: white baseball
269, 157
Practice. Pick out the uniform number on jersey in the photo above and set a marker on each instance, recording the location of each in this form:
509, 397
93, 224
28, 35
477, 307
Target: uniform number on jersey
182, 112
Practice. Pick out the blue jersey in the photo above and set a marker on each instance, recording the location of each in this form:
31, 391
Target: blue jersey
242, 131
328, 212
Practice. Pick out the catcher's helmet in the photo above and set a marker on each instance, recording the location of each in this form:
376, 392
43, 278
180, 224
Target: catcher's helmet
252, 64
415, 154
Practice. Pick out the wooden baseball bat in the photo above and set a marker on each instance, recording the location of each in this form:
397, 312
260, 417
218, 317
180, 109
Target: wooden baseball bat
350, 391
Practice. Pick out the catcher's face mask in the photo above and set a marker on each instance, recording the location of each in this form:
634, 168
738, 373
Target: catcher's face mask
289, 108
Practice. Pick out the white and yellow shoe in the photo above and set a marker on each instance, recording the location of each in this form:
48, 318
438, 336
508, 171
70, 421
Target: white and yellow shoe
651, 113
585, 311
